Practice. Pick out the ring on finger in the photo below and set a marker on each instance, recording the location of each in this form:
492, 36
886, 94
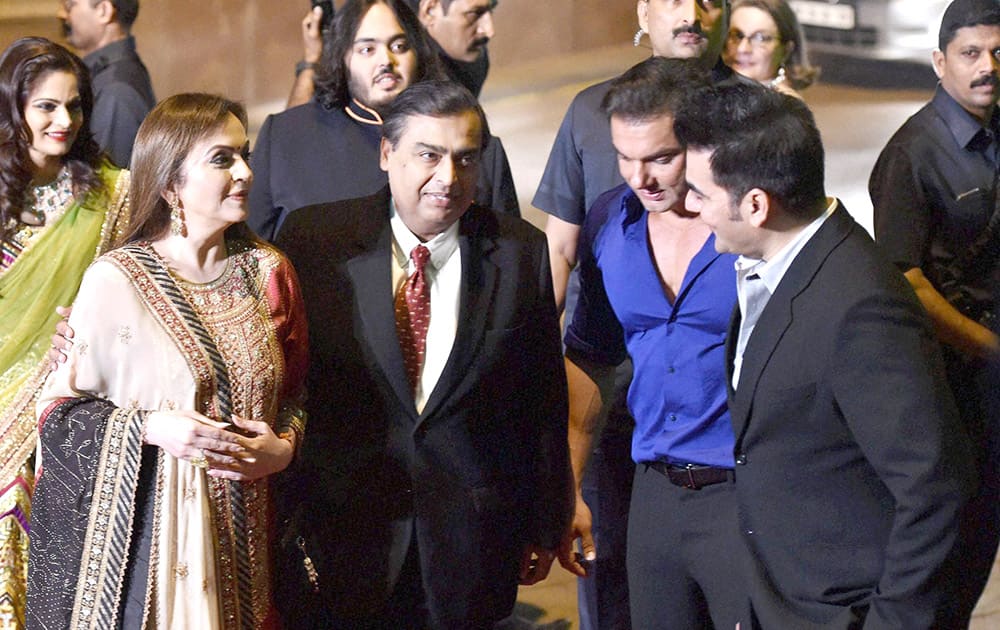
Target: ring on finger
200, 461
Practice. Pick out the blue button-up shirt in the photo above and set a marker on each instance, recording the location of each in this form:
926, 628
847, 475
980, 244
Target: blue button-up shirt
678, 391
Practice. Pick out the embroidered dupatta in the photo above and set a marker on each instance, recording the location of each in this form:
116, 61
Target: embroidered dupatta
44, 276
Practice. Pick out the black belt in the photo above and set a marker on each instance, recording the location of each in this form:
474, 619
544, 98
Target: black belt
692, 477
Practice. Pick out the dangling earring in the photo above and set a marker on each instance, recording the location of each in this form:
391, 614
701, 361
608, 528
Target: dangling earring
176, 220
638, 37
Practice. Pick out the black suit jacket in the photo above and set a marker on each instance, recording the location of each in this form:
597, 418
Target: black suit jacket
480, 473
851, 464
311, 155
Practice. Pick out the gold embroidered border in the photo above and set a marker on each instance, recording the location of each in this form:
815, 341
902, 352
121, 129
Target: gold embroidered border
19, 436
18, 423
162, 308
118, 216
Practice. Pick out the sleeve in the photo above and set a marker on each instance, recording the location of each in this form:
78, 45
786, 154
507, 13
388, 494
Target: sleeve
289, 317
928, 473
99, 355
263, 216
554, 501
595, 332
901, 208
116, 119
496, 182
561, 190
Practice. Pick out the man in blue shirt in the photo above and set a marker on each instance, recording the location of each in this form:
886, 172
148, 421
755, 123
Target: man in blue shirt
652, 285
580, 167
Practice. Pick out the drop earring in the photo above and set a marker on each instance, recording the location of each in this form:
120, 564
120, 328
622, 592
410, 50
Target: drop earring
638, 37
176, 220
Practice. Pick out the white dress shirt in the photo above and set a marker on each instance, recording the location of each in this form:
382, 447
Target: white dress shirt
444, 279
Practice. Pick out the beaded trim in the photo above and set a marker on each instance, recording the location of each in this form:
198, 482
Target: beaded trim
109, 528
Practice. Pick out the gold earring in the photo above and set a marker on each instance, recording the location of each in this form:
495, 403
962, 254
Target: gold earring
176, 220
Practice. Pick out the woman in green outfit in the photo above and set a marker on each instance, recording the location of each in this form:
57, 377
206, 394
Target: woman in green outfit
61, 204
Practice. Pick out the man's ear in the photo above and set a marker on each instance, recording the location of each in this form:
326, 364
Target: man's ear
938, 58
384, 149
106, 12
428, 11
642, 12
757, 207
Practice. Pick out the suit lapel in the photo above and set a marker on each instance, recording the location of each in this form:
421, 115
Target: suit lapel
479, 277
370, 272
779, 314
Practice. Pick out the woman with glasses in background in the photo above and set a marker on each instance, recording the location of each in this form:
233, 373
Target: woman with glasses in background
765, 43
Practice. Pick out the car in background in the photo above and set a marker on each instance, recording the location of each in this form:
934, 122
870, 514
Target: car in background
891, 30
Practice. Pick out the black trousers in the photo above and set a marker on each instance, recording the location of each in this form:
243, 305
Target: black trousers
683, 551
968, 569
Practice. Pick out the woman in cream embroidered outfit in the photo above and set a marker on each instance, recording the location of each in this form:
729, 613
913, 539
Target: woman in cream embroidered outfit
61, 204
179, 399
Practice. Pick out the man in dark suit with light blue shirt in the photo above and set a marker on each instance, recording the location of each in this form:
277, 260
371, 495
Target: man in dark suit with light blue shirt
851, 464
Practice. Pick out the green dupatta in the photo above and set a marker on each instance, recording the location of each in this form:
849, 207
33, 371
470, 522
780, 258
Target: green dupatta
45, 275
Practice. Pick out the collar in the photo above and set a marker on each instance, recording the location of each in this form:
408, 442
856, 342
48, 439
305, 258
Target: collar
721, 72
631, 209
107, 55
963, 126
772, 271
362, 113
441, 246
470, 74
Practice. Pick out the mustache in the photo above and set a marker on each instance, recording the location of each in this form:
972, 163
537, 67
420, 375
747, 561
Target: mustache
989, 79
386, 71
694, 29
479, 43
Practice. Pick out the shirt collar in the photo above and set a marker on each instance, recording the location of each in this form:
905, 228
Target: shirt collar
109, 54
632, 210
772, 271
441, 246
964, 126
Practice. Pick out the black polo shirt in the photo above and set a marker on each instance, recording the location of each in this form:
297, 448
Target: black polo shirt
932, 189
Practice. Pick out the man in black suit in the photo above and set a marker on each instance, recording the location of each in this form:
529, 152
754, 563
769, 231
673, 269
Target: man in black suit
425, 493
850, 460
934, 195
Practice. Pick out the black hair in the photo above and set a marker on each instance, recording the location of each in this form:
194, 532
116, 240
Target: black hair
964, 14
437, 99
22, 67
759, 138
333, 75
126, 11
653, 87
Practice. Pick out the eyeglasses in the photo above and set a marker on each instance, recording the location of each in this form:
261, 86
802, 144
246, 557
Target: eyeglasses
757, 40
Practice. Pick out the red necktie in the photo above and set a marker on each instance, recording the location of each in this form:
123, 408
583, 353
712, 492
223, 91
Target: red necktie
413, 314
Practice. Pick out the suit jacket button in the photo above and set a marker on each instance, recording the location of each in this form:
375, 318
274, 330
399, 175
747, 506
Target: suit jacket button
741, 459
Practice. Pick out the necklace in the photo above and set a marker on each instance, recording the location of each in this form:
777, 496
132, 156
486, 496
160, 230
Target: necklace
41, 202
